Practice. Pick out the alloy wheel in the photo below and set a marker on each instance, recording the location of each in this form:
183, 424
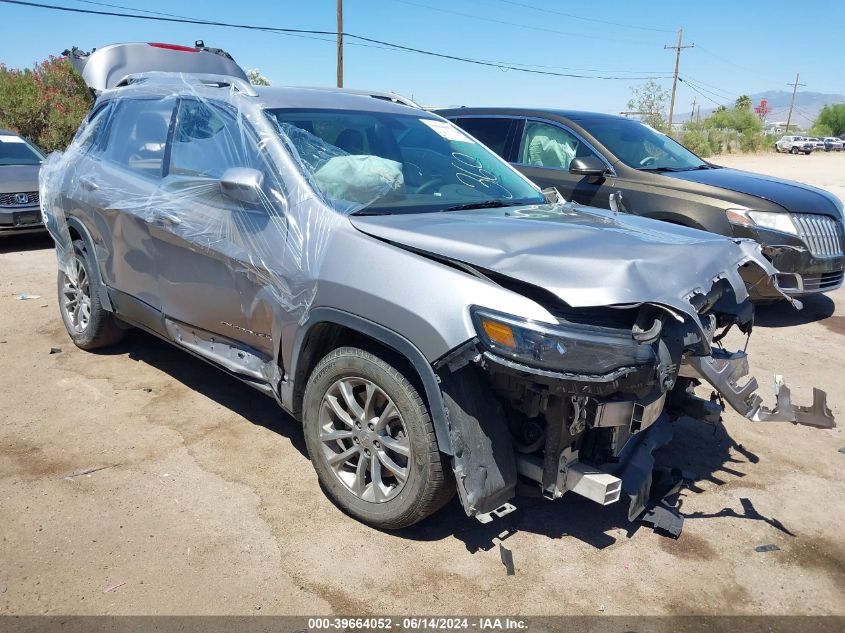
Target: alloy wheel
76, 295
364, 439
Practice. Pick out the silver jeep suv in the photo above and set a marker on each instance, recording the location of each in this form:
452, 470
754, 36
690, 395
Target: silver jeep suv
433, 320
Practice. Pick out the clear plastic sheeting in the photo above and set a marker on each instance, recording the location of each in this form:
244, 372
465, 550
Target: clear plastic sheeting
119, 170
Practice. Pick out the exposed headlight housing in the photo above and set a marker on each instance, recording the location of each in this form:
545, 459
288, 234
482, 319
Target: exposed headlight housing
781, 222
571, 348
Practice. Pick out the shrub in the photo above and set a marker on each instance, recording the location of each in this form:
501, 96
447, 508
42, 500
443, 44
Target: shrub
46, 103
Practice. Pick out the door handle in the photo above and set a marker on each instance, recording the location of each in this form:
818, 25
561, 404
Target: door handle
88, 183
167, 218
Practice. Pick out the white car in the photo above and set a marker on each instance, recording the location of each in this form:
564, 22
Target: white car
795, 145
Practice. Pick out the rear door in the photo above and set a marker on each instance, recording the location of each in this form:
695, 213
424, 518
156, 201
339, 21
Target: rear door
121, 176
545, 151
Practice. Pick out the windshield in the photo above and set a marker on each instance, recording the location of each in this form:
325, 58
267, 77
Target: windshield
380, 163
16, 151
642, 147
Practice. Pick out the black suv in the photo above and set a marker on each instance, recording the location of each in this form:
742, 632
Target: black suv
589, 156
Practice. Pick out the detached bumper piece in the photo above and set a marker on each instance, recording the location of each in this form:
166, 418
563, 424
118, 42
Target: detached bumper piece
724, 371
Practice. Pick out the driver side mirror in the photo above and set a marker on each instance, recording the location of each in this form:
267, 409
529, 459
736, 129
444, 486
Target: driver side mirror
587, 166
242, 184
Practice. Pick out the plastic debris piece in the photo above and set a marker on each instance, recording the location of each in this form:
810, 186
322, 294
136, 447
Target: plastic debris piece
111, 588
507, 559
26, 297
147, 390
770, 547
88, 471
55, 350
841, 450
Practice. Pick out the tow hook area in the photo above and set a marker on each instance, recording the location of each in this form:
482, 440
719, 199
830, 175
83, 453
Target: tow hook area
724, 371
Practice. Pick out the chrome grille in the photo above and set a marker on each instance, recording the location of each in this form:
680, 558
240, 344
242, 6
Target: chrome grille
823, 281
9, 199
821, 234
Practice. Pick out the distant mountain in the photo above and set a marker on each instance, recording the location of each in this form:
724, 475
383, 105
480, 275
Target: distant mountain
807, 105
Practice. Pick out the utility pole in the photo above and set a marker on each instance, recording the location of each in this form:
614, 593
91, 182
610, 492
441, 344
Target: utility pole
692, 112
340, 43
677, 63
792, 101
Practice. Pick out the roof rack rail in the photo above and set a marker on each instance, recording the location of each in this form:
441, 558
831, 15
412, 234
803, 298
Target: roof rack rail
220, 81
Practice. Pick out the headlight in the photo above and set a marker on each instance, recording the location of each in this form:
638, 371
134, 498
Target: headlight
571, 348
764, 219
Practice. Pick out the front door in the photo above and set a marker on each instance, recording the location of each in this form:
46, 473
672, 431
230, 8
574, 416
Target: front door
544, 155
215, 253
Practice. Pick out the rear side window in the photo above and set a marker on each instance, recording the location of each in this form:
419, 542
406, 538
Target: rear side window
137, 135
207, 141
492, 132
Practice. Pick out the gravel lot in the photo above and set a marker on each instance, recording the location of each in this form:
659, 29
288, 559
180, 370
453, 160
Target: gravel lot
200, 498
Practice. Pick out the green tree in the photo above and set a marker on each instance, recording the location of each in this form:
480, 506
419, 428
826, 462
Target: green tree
256, 78
832, 118
743, 102
650, 99
45, 103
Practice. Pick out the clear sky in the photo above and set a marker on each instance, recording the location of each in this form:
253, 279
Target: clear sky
741, 46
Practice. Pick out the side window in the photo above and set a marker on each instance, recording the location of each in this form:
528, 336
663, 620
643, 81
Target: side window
92, 134
208, 141
492, 132
545, 145
137, 135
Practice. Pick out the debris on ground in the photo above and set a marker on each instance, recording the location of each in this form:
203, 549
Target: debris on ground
111, 588
841, 450
147, 390
3, 588
55, 350
26, 297
88, 471
507, 559
770, 547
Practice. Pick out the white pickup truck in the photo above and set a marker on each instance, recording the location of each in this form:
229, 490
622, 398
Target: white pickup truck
795, 145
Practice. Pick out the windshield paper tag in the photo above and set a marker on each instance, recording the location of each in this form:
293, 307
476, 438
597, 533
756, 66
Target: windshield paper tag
447, 131
8, 138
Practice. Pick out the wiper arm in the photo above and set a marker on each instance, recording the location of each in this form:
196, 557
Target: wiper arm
485, 204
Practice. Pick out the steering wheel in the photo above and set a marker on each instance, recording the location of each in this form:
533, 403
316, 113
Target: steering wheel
429, 184
648, 160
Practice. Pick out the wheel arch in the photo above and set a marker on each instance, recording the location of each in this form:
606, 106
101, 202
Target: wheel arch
328, 328
78, 230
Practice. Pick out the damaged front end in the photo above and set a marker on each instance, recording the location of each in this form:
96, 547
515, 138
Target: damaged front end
581, 406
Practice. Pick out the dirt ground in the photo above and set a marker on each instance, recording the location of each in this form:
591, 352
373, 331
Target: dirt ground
200, 498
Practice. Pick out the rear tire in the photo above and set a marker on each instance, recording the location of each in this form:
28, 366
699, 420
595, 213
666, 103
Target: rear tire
371, 441
87, 322
793, 150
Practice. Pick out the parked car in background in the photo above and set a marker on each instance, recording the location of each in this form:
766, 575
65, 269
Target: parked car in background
817, 142
20, 162
435, 324
832, 144
795, 145
588, 157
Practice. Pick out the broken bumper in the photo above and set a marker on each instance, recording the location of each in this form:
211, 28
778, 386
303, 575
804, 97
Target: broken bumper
724, 371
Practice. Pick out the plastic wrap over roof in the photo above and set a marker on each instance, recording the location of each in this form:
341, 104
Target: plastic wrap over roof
305, 185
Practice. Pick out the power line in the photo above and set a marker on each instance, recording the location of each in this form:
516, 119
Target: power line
360, 38
714, 90
578, 17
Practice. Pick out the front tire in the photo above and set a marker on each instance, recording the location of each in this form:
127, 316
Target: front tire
794, 150
87, 322
371, 441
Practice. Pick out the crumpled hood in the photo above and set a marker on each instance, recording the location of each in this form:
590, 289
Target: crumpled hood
18, 178
586, 256
792, 196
